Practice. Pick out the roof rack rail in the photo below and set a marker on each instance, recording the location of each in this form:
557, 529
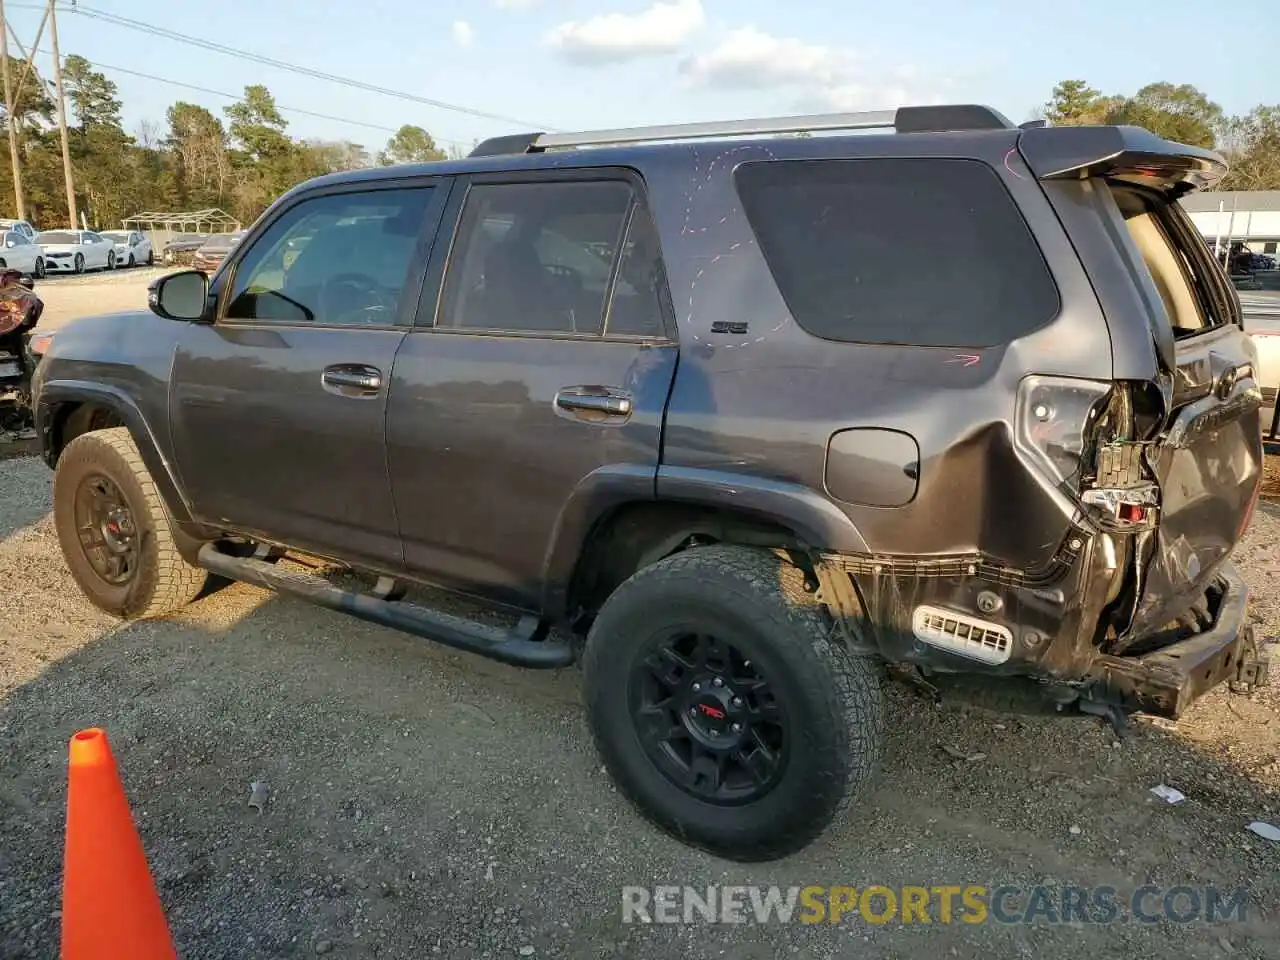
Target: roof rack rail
923, 119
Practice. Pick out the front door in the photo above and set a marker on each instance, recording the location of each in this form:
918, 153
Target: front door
278, 407
549, 359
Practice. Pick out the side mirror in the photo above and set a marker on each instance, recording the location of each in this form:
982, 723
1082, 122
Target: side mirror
179, 296
11, 243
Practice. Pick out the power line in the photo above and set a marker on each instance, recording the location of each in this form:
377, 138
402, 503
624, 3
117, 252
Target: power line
236, 96
164, 32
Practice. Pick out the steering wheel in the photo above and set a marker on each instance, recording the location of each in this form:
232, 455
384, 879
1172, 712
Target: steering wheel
353, 298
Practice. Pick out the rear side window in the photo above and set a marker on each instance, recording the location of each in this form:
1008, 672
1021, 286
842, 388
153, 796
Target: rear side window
920, 251
538, 258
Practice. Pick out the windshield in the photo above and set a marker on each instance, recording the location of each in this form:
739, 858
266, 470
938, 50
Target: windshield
222, 241
58, 236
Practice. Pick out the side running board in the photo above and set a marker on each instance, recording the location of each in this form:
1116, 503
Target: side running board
523, 645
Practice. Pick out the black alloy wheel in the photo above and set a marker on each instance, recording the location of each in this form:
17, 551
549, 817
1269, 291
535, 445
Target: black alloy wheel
708, 719
104, 523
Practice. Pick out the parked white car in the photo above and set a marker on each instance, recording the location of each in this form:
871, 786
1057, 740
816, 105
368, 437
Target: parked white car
75, 251
21, 254
132, 247
19, 226
1262, 322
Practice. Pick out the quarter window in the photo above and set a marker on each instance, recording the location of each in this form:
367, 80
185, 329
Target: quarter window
537, 258
341, 259
638, 292
929, 252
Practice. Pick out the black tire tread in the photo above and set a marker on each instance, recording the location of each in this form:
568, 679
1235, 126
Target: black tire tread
773, 588
170, 582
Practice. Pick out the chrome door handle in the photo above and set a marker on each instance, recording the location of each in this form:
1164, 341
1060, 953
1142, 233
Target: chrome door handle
607, 404
348, 379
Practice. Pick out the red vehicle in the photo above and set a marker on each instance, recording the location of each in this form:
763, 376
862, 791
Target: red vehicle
20, 310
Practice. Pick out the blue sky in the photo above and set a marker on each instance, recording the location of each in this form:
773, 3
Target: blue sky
574, 64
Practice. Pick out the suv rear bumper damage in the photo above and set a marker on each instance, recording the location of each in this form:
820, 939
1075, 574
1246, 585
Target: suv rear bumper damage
1042, 625
1167, 680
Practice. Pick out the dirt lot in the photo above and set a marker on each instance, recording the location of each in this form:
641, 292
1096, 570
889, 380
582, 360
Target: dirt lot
68, 296
426, 803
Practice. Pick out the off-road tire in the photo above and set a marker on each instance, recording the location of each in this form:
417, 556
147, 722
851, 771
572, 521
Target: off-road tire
834, 700
163, 582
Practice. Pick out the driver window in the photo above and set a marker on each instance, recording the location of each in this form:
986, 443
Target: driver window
338, 259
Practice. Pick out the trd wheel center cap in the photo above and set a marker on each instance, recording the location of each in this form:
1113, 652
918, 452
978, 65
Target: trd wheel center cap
711, 714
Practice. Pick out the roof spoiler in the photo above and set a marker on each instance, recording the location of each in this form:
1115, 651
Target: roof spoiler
1129, 153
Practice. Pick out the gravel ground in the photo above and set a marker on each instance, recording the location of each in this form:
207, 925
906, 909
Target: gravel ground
67, 296
426, 803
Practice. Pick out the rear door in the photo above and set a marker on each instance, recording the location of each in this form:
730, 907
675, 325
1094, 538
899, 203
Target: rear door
546, 357
1208, 457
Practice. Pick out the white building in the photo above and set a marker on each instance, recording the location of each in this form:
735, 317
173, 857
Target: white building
1252, 216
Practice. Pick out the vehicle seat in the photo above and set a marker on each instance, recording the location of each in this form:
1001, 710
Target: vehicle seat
518, 291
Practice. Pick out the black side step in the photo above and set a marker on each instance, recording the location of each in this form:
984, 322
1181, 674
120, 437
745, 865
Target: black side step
522, 645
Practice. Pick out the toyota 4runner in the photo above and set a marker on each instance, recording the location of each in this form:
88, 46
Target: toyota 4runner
733, 415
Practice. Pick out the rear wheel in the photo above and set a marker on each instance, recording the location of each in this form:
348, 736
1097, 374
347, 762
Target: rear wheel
40, 268
725, 706
115, 532
151, 257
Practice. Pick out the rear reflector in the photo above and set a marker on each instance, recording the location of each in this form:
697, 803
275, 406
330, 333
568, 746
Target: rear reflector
962, 634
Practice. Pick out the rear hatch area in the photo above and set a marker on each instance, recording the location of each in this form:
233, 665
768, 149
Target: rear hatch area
1204, 448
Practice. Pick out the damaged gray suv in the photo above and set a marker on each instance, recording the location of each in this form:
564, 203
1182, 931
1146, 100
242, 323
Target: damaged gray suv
733, 416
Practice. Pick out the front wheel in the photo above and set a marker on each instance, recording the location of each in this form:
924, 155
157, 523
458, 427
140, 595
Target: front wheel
40, 268
115, 532
131, 260
79, 263
111, 260
725, 706
151, 257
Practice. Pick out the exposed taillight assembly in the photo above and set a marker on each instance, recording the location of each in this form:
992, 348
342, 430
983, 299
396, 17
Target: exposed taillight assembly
1054, 422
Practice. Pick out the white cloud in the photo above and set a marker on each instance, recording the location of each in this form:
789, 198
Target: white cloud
823, 78
613, 37
463, 35
749, 58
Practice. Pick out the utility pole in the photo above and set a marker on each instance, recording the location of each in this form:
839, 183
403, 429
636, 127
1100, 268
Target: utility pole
11, 121
62, 113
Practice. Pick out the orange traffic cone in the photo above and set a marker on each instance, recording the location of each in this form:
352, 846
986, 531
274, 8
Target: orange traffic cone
110, 908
